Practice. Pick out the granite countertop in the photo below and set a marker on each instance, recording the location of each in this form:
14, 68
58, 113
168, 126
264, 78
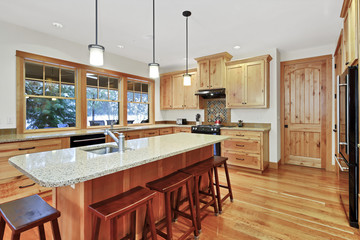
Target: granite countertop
74, 165
37, 136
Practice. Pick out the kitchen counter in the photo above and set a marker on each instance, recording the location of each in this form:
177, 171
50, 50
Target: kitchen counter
59, 134
74, 165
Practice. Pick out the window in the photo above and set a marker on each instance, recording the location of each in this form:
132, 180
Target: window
103, 99
50, 93
138, 104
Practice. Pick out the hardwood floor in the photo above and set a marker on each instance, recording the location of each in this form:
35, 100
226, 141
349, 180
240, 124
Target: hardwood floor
292, 202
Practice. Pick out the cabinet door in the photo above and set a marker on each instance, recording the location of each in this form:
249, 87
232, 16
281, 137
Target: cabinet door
178, 91
190, 99
216, 73
352, 31
235, 86
203, 71
255, 84
134, 135
346, 42
166, 92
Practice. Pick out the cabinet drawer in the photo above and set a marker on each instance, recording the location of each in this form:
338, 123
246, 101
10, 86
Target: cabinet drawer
151, 133
18, 187
243, 160
182, 129
134, 135
242, 134
242, 145
164, 131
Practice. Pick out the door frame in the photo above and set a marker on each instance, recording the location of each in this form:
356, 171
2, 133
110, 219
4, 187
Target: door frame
325, 163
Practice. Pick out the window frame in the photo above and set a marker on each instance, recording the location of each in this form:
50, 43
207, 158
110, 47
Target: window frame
80, 92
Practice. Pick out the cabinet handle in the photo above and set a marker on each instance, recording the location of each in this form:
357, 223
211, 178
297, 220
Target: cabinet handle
23, 149
151, 133
347, 63
26, 186
239, 145
240, 135
240, 159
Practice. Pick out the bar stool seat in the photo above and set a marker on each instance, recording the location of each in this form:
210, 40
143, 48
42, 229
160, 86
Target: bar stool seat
218, 161
26, 213
168, 185
121, 204
197, 170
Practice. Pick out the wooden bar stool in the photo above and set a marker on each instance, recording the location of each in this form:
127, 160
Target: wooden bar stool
119, 205
197, 170
217, 161
26, 213
168, 185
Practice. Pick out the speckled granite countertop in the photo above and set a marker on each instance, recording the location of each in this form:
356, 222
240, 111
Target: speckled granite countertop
74, 165
59, 134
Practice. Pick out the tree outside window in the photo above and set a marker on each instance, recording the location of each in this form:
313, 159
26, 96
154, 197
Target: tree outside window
138, 104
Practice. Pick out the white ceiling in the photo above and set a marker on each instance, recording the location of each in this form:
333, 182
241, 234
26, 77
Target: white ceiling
215, 26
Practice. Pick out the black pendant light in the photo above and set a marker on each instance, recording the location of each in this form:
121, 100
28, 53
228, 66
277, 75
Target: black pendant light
154, 67
187, 76
96, 50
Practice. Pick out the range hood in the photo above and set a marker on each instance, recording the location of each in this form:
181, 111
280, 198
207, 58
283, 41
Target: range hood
211, 93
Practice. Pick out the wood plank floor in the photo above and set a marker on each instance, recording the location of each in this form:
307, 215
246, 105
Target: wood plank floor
290, 203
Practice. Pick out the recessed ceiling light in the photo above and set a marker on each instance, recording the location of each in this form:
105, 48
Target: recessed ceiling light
237, 47
57, 25
120, 46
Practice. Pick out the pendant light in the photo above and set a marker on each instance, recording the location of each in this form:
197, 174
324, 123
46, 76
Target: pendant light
187, 76
154, 67
96, 50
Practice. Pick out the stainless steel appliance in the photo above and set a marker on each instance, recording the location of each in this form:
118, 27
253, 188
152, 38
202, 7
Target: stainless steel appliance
348, 134
211, 93
209, 129
181, 121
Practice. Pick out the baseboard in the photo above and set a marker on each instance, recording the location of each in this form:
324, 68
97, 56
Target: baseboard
274, 165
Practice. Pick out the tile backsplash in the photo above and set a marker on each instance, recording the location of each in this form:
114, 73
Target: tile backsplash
217, 107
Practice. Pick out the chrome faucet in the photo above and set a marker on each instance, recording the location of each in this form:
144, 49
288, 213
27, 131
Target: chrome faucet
120, 140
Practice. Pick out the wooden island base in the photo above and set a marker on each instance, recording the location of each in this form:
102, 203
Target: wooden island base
76, 220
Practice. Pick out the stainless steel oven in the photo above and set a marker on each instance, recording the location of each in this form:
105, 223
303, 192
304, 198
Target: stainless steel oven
348, 138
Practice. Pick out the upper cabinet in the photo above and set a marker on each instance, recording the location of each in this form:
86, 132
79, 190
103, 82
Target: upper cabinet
338, 56
211, 70
350, 32
247, 83
173, 93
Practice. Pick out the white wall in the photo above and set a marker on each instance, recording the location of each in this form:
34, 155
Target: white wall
18, 38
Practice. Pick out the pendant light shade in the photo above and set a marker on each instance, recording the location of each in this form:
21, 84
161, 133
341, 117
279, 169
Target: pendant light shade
187, 76
154, 71
96, 50
96, 55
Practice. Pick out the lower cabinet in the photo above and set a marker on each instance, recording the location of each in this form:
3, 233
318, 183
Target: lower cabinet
13, 184
247, 149
151, 133
166, 131
182, 129
134, 135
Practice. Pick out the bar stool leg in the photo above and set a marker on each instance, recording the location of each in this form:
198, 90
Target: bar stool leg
177, 204
133, 225
2, 228
192, 211
113, 229
96, 228
197, 202
218, 194
42, 232
228, 181
212, 189
168, 216
15, 236
150, 216
55, 229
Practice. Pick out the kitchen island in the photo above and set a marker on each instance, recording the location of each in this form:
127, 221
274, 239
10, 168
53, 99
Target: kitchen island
81, 177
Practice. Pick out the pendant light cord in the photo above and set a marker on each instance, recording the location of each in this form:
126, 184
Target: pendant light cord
96, 22
153, 31
187, 45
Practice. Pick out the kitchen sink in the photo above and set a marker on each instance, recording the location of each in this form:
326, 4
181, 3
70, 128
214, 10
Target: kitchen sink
105, 150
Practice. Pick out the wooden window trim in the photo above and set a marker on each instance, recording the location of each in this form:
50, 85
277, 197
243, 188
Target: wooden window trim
81, 103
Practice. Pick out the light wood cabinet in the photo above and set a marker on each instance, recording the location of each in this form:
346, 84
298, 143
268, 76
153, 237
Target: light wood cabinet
166, 96
166, 131
338, 56
13, 184
247, 83
211, 70
350, 32
151, 133
246, 149
174, 91
182, 129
